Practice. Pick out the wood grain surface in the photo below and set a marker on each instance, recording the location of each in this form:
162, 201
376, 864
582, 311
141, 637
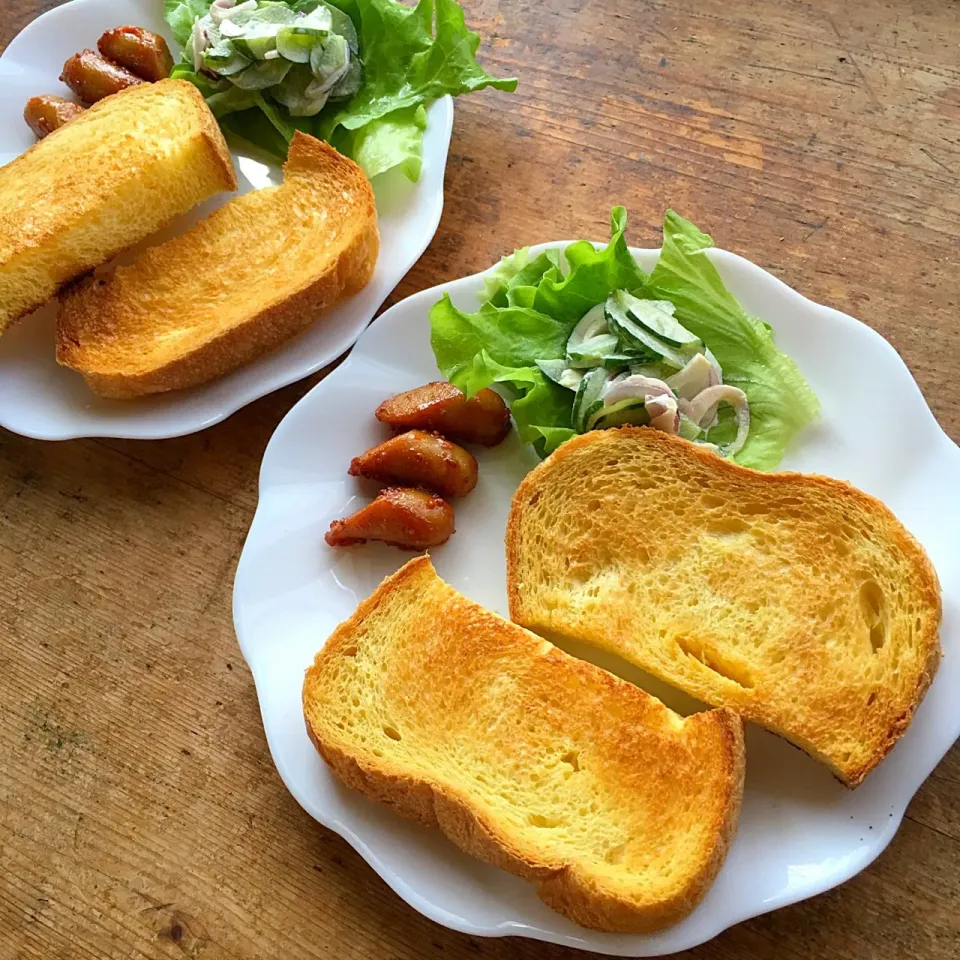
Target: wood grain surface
140, 813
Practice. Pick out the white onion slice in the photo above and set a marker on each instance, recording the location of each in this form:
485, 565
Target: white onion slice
703, 408
695, 377
636, 386
198, 43
664, 414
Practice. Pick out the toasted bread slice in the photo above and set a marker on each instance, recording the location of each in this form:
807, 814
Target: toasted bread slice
619, 810
797, 600
248, 277
109, 178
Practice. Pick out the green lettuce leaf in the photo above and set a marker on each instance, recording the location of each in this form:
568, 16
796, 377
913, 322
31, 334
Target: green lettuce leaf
395, 140
466, 345
411, 57
594, 275
518, 272
781, 402
181, 14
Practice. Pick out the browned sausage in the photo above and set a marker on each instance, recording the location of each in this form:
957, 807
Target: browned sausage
399, 516
45, 114
92, 78
442, 408
140, 51
419, 459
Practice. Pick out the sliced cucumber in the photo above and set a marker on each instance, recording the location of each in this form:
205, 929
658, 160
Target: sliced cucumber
591, 352
350, 82
636, 337
256, 45
319, 19
552, 369
571, 378
295, 43
630, 411
652, 370
591, 413
218, 14
588, 393
667, 306
259, 76
223, 59
227, 30
617, 361
342, 24
657, 317
330, 59
293, 93
268, 11
560, 373
592, 323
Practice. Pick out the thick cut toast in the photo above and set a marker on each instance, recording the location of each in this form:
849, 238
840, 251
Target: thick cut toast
795, 599
619, 810
112, 176
248, 277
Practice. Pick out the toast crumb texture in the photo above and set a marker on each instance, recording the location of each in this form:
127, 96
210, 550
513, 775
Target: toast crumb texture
617, 808
795, 599
254, 273
111, 177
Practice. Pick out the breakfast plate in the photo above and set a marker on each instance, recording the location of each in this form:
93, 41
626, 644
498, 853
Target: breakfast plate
800, 831
40, 399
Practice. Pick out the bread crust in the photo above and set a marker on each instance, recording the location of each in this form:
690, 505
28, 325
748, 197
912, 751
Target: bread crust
213, 137
83, 306
583, 896
924, 580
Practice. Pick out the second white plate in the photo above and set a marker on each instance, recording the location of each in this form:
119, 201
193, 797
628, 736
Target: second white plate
40, 399
800, 831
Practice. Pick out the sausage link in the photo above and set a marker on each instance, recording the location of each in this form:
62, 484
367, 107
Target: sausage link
47, 113
411, 519
92, 78
442, 408
420, 459
140, 51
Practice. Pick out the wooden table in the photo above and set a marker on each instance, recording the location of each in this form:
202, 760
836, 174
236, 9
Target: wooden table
140, 814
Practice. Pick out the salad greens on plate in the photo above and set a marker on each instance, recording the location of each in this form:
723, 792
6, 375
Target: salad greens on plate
356, 73
585, 339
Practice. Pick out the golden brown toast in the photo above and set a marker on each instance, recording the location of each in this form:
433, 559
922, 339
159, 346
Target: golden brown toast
110, 177
248, 277
795, 599
618, 809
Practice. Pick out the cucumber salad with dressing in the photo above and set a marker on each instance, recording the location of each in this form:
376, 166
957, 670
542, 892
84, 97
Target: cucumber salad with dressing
584, 339
629, 361
359, 74
301, 59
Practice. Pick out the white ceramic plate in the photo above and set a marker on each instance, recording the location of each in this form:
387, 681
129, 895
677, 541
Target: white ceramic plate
800, 832
40, 399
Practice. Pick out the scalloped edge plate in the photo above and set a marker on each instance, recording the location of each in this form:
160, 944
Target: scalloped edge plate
40, 399
800, 831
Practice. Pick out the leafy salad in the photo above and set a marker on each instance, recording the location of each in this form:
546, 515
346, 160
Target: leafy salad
356, 73
585, 339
